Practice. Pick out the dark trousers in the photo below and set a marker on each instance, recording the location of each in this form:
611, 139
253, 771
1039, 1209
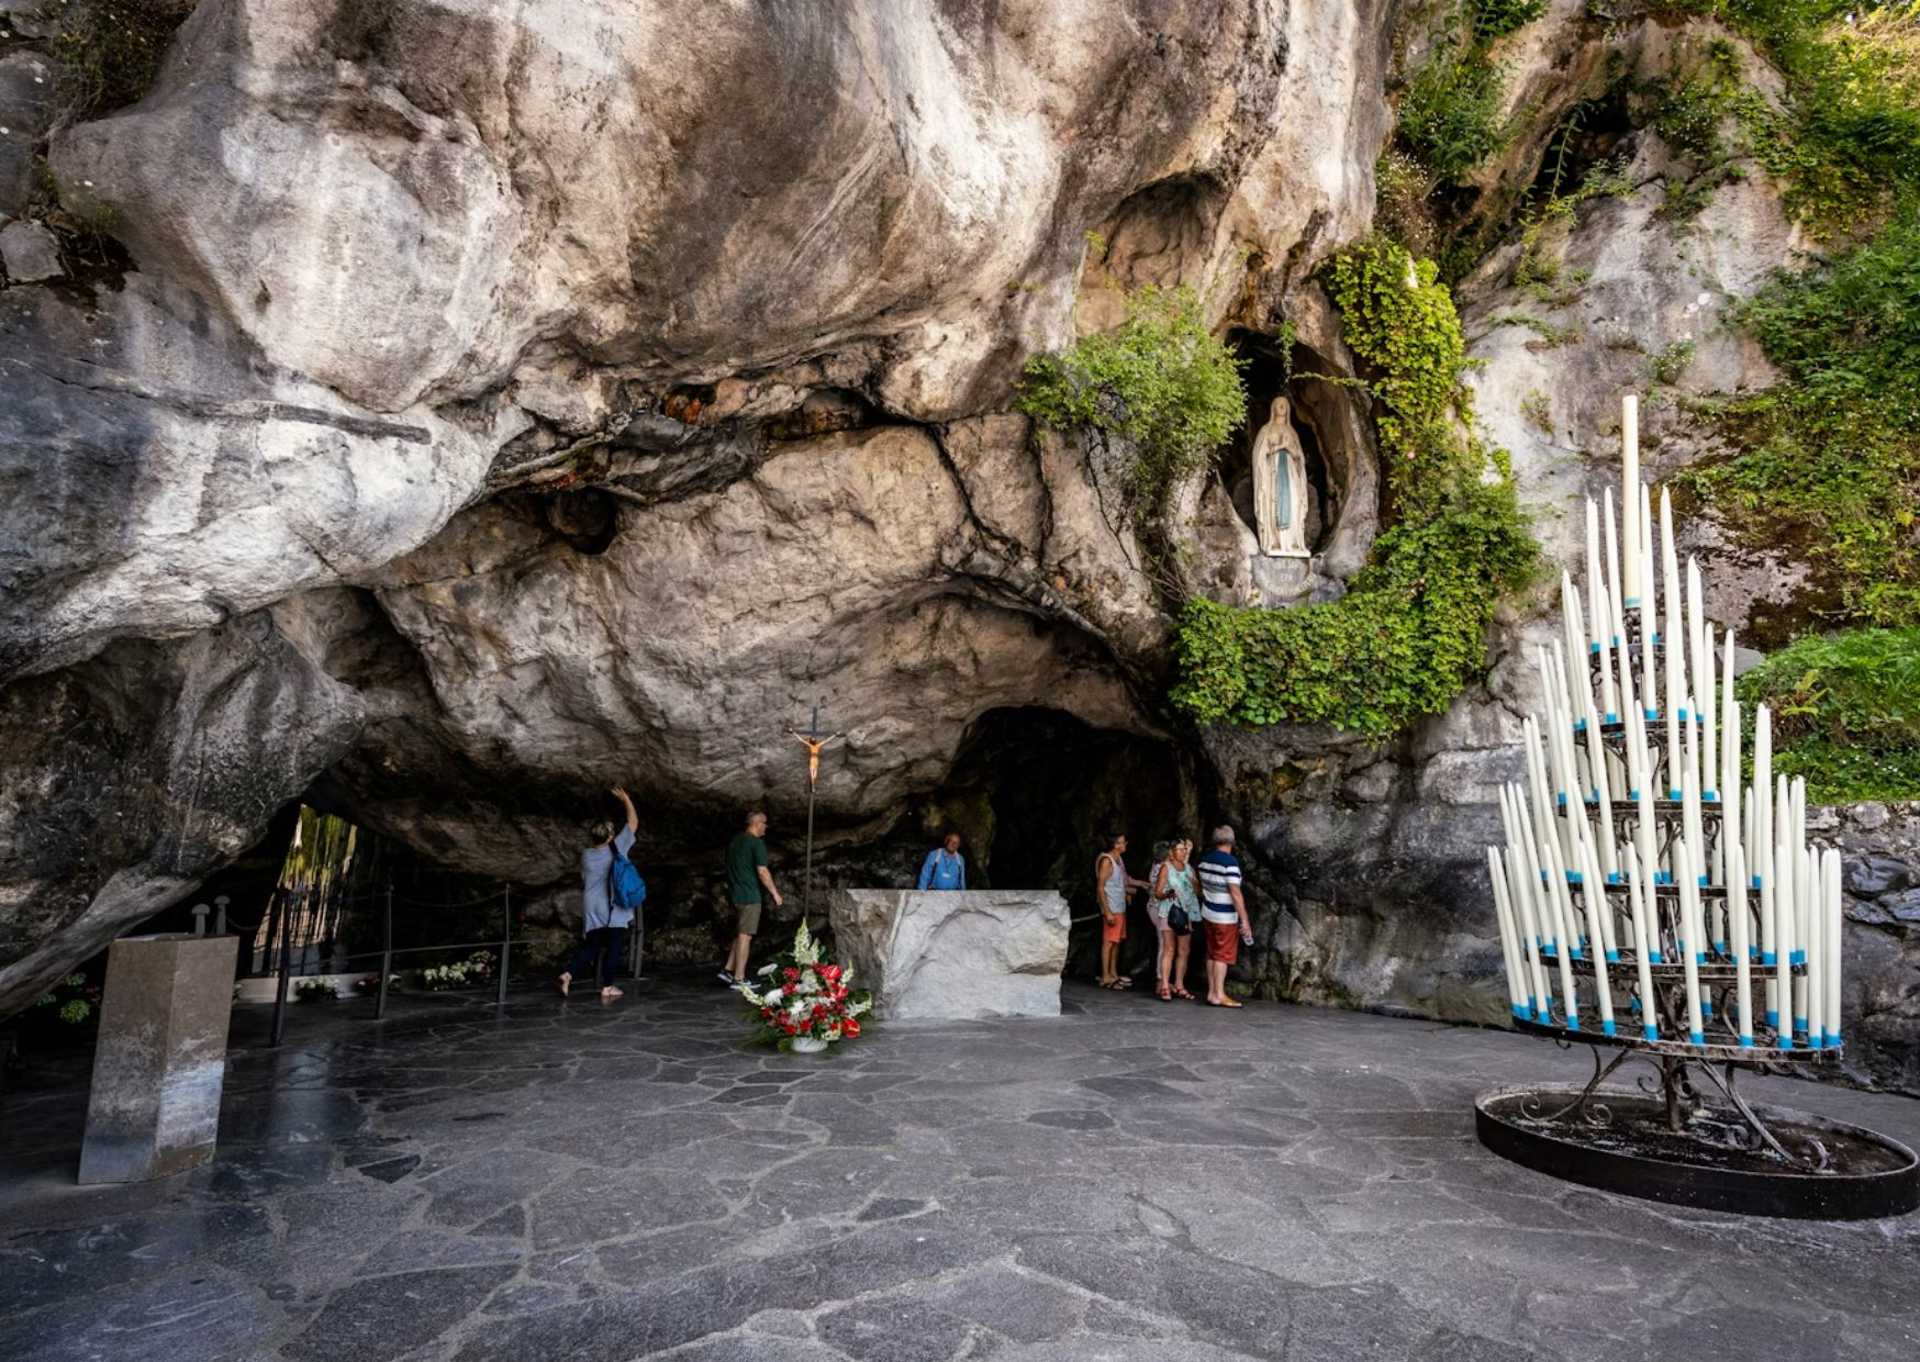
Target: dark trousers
601, 948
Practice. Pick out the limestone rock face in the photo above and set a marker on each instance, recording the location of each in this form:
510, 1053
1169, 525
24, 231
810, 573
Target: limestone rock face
954, 955
579, 391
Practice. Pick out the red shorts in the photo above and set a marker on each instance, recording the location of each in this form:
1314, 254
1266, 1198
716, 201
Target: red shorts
1223, 941
1113, 926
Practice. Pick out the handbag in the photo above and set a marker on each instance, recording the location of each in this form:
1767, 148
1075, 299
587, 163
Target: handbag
1177, 920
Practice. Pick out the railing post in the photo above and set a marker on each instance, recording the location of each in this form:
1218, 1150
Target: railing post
506, 942
286, 968
220, 902
386, 954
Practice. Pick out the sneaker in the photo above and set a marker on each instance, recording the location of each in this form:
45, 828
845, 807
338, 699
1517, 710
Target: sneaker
728, 979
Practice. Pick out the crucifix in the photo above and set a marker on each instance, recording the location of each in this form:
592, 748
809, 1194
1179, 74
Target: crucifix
815, 743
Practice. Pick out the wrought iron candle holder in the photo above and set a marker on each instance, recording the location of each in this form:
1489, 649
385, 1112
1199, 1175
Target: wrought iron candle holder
1657, 907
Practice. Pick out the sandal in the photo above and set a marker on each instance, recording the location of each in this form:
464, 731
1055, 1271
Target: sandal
1114, 985
1182, 993
1166, 995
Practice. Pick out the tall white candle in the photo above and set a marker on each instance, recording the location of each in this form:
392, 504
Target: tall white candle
1593, 898
1615, 599
1544, 837
1731, 810
1830, 878
1542, 910
1600, 615
1648, 849
1684, 873
1524, 884
1673, 641
1649, 618
1709, 726
1646, 942
1760, 850
1783, 877
1630, 493
1509, 942
1816, 950
1806, 988
1742, 962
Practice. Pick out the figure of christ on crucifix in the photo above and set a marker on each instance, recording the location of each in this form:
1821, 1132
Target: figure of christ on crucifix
815, 745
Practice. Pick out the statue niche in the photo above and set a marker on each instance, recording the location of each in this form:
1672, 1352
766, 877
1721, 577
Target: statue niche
1280, 491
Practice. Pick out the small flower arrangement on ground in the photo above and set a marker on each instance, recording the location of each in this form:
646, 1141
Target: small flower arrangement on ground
315, 991
369, 984
476, 969
806, 1003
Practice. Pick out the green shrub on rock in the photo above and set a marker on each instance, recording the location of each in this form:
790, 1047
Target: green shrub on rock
1846, 713
1161, 381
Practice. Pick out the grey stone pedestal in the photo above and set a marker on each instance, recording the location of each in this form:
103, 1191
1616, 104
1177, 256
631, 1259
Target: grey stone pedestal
971, 953
154, 1108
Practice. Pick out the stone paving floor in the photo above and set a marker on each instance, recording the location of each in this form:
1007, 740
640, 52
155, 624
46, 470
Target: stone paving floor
1134, 1180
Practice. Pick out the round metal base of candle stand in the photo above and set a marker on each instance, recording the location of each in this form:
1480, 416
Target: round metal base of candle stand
1621, 1141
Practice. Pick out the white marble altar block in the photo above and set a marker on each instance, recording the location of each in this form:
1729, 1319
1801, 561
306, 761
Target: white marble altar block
954, 955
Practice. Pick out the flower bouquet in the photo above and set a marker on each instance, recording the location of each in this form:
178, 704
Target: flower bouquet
806, 1003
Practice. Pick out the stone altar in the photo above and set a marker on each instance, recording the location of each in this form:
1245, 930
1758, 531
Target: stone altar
154, 1107
947, 955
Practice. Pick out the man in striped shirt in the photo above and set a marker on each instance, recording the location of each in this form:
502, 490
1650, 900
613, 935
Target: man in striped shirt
1223, 913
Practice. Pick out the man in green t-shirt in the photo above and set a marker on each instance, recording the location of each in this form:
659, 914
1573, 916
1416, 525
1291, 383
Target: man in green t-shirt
747, 876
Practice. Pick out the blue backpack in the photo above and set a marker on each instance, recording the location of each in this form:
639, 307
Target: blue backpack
626, 890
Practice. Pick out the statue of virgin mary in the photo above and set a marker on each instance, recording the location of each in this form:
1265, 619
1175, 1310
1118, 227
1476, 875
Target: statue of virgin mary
1280, 485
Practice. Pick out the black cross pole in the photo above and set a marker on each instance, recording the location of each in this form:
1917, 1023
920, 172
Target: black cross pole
815, 744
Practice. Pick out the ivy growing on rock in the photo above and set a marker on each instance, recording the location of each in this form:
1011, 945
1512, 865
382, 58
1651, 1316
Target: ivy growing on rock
1409, 635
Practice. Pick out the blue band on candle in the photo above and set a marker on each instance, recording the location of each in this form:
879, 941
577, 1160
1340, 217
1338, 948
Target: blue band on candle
1543, 877
1656, 640
1616, 641
1786, 1042
1769, 959
1573, 877
1650, 1032
1593, 648
1613, 957
1520, 1011
1753, 953
1756, 882
1773, 1018
1579, 725
1634, 793
1561, 796
1615, 877
1612, 717
1683, 714
1653, 716
1800, 1026
1747, 1042
1706, 1007
1833, 1040
1675, 794
1704, 882
1799, 957
1653, 957
1573, 1021
1606, 1027
1631, 601
1697, 1037
1699, 957
1720, 948
1711, 796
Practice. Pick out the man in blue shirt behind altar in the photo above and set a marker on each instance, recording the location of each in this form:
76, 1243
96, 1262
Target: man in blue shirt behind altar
945, 867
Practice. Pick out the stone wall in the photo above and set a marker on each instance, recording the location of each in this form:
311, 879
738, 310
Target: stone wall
1881, 944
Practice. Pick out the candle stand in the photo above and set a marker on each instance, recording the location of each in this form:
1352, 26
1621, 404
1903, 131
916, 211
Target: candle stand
1661, 909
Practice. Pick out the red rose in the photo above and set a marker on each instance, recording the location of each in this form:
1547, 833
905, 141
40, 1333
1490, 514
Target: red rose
850, 1027
830, 972
791, 973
